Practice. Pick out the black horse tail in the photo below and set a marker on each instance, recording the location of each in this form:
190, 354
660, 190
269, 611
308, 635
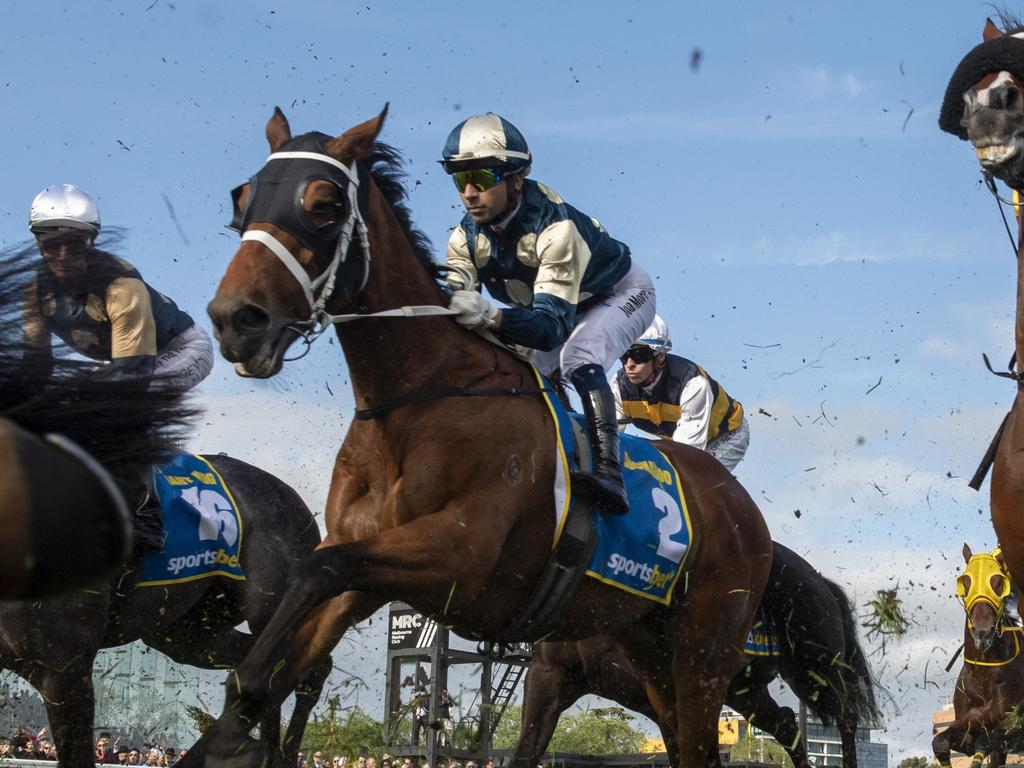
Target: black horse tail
860, 684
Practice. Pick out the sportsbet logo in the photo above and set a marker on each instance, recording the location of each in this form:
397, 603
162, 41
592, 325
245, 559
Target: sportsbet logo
209, 557
654, 576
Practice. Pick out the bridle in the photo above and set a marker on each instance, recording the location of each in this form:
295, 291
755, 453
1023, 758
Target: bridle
356, 269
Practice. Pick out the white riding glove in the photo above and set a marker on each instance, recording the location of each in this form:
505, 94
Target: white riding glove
474, 311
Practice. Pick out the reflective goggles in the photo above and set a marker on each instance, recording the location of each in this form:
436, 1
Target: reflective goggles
481, 178
640, 354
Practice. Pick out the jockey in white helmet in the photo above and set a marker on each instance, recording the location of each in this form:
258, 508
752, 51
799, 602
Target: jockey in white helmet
676, 399
99, 305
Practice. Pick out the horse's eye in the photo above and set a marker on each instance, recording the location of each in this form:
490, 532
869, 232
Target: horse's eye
964, 583
998, 584
324, 212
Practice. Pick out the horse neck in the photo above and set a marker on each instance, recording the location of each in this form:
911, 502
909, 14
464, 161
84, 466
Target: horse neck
388, 357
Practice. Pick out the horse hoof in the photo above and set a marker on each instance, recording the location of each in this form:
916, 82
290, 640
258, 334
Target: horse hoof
238, 752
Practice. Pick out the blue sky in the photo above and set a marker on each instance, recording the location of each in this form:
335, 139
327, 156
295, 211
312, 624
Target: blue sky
810, 228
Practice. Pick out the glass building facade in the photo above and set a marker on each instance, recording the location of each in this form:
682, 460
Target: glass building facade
824, 746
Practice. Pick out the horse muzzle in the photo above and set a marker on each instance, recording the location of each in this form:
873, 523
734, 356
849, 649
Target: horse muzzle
250, 337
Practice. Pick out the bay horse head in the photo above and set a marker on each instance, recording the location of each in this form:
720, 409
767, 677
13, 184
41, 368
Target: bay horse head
305, 246
983, 588
984, 101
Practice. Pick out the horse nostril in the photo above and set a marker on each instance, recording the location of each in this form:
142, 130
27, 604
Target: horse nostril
250, 320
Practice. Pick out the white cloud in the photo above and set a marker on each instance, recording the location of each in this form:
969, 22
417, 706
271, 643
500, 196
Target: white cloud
841, 245
820, 82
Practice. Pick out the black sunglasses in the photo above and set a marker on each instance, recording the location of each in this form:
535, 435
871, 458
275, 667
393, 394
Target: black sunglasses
638, 354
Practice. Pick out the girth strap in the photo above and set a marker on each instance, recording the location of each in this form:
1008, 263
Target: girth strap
558, 581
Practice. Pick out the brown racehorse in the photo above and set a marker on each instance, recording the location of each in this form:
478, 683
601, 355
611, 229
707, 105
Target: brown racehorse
820, 657
441, 498
991, 681
984, 103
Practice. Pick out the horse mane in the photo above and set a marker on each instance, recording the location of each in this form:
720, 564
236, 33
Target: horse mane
385, 164
123, 425
1009, 22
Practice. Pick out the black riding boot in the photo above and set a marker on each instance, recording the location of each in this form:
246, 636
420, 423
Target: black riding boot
604, 487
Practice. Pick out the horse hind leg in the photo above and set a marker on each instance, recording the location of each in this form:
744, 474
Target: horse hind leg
307, 694
848, 736
70, 703
701, 672
753, 701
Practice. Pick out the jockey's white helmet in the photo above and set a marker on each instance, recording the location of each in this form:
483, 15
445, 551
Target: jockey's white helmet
64, 207
657, 336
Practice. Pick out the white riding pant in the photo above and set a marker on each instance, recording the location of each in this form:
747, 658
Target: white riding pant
605, 330
730, 448
185, 361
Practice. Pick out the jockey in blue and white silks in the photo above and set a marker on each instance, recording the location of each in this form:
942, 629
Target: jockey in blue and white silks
577, 297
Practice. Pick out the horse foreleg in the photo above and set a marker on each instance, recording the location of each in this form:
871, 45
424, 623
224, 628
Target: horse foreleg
70, 704
970, 734
955, 737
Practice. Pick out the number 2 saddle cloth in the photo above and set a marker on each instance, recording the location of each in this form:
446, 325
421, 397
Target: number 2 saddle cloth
645, 551
202, 527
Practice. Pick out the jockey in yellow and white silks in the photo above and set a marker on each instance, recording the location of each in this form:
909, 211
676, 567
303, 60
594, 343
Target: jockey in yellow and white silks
571, 291
675, 398
99, 305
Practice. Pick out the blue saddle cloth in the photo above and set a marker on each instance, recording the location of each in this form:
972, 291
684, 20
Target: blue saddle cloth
763, 639
645, 551
202, 527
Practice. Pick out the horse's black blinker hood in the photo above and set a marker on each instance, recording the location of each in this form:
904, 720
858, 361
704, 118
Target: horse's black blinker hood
276, 193
996, 55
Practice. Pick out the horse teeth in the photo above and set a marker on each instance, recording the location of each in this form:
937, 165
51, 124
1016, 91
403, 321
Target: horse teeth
241, 370
994, 154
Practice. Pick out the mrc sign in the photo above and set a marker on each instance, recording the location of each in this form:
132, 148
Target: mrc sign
408, 628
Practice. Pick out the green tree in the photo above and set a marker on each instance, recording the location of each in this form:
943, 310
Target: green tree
763, 749
348, 733
605, 731
914, 762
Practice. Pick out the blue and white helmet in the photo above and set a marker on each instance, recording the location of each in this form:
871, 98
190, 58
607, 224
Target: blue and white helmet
486, 141
657, 337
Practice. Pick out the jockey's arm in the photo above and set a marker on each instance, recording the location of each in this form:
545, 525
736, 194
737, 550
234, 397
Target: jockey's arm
695, 403
458, 256
38, 346
545, 324
132, 329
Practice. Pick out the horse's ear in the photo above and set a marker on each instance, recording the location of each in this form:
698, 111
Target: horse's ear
967, 553
991, 31
278, 130
356, 142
